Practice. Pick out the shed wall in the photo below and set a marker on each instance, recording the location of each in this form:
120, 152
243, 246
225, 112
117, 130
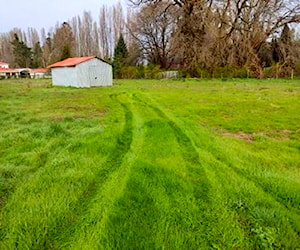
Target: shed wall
94, 73
64, 76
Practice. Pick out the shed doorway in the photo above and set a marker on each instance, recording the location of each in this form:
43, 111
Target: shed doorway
94, 76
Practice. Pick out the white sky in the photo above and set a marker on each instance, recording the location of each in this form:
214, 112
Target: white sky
45, 13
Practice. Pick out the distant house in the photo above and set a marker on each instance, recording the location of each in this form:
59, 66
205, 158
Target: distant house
38, 73
83, 72
4, 65
14, 73
23, 72
8, 73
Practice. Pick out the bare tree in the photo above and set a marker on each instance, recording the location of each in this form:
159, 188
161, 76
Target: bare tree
118, 21
217, 32
95, 37
32, 37
6, 53
104, 32
153, 29
86, 34
62, 44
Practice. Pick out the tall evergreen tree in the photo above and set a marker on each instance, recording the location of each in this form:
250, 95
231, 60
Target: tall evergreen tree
37, 55
276, 51
120, 55
286, 42
288, 59
66, 52
22, 54
286, 35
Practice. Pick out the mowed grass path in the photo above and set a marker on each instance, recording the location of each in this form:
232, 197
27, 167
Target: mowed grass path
150, 165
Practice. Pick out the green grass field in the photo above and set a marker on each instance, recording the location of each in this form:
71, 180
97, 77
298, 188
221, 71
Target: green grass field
151, 164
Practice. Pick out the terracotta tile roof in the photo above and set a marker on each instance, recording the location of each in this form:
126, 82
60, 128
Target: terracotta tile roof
70, 62
41, 70
8, 70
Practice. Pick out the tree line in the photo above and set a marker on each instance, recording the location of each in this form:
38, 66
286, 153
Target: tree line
218, 37
199, 38
78, 36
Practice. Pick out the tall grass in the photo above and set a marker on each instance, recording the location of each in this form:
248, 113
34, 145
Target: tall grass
150, 164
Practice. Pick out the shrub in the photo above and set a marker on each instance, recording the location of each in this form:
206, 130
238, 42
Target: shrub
140, 72
203, 73
129, 72
240, 73
223, 72
152, 71
279, 71
297, 69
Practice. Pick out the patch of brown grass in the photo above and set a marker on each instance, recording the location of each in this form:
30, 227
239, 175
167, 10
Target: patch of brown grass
240, 135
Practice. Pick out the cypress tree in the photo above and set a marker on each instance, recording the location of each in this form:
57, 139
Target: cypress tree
286, 35
37, 55
120, 55
22, 53
66, 52
276, 51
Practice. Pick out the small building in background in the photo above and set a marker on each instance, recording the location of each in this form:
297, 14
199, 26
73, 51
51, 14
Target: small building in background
6, 73
38, 73
23, 72
4, 65
82, 72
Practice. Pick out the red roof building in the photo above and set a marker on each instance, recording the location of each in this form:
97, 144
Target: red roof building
83, 72
4, 65
22, 72
8, 73
40, 70
38, 73
8, 70
71, 62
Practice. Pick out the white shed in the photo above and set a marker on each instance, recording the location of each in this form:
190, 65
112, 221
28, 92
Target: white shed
82, 72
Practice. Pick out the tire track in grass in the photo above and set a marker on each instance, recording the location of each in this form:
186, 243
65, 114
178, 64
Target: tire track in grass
197, 173
93, 227
287, 203
284, 201
258, 213
246, 215
254, 173
68, 227
197, 176
286, 210
160, 207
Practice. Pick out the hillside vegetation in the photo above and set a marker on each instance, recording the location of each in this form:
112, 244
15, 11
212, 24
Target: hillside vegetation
150, 165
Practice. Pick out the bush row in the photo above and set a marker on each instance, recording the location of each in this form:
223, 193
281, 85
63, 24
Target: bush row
154, 72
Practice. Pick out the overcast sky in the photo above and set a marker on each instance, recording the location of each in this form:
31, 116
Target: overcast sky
45, 13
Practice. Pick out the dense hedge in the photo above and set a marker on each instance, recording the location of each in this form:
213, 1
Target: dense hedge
154, 72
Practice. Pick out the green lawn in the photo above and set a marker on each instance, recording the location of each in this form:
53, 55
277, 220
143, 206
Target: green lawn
150, 164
